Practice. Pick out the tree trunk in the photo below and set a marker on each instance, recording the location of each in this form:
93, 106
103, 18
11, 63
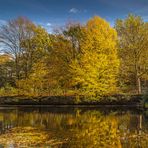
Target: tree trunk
140, 124
139, 86
17, 71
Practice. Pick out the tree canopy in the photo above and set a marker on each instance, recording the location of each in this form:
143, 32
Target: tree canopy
92, 59
133, 45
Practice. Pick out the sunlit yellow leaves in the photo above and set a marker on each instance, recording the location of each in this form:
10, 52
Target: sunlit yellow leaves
95, 70
4, 58
133, 44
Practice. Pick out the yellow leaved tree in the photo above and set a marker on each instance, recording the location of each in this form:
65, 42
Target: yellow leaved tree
95, 69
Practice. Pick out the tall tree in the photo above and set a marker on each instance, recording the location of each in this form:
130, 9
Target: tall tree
34, 61
95, 69
59, 61
35, 49
65, 48
73, 32
11, 36
133, 45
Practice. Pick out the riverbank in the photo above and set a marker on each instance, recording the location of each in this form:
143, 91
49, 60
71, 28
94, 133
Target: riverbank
124, 100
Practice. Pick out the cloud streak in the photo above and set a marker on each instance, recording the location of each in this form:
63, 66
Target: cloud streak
73, 10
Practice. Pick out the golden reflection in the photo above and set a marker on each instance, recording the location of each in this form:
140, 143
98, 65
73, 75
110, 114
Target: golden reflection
28, 137
88, 129
92, 129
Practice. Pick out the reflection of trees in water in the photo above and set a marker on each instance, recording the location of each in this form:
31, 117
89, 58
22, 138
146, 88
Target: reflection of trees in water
28, 137
87, 129
136, 134
92, 129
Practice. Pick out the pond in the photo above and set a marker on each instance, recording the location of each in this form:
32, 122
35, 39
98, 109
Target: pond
73, 127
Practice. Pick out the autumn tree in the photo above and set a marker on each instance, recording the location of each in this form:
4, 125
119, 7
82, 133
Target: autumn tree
35, 49
65, 48
133, 44
74, 33
59, 61
6, 72
35, 61
94, 71
11, 35
36, 84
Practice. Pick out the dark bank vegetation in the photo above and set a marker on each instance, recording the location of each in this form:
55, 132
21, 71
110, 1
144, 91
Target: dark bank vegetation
91, 60
110, 101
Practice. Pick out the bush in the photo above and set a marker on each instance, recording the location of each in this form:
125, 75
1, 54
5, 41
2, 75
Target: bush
8, 90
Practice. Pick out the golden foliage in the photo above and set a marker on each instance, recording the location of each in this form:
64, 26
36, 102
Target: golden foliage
96, 68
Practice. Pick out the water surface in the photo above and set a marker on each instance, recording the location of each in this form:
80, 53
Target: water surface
71, 127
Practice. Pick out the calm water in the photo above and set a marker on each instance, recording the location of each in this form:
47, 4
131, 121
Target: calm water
68, 127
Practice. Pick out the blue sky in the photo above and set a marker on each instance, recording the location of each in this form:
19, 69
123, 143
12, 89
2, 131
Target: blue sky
54, 13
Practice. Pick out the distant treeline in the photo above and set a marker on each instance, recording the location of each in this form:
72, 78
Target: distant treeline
93, 59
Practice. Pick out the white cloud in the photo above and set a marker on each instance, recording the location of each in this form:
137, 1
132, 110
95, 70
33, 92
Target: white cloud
73, 10
48, 24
